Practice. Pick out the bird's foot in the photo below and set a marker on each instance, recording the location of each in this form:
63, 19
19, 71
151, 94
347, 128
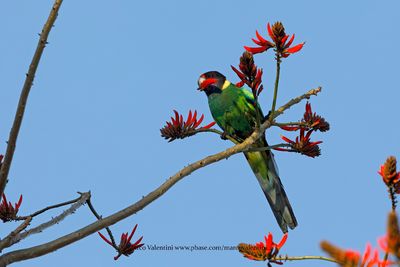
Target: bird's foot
224, 136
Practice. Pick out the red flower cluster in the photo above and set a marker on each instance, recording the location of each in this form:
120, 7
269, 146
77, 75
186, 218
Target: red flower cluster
351, 258
310, 121
8, 212
179, 128
314, 121
249, 74
280, 41
261, 251
302, 145
389, 174
125, 246
390, 243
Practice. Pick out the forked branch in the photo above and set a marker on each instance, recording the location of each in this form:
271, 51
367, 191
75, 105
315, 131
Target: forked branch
36, 251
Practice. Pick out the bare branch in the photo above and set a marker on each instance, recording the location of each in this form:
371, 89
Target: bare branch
37, 251
49, 208
7, 241
40, 228
299, 258
12, 140
93, 210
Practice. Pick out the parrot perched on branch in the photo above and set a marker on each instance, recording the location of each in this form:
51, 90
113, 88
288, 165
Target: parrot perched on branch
233, 109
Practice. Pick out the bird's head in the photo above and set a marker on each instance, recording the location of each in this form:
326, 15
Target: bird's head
211, 80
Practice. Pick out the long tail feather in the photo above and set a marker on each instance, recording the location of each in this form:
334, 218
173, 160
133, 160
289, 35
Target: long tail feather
264, 167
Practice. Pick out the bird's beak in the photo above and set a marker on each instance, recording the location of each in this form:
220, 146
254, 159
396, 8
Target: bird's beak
205, 83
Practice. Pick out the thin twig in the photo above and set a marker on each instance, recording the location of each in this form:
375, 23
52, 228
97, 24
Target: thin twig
7, 241
49, 208
299, 258
12, 140
221, 134
254, 149
392, 196
36, 251
279, 124
40, 228
278, 71
99, 217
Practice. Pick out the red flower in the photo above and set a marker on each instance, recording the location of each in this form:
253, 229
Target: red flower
249, 74
178, 128
389, 173
314, 121
280, 41
310, 121
261, 251
302, 144
351, 258
125, 246
8, 212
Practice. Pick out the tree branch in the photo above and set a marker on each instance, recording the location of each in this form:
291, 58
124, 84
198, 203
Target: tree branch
40, 228
36, 251
299, 258
49, 208
7, 241
12, 140
93, 210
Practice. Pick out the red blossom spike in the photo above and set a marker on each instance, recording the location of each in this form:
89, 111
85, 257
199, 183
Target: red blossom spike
270, 33
290, 128
314, 121
125, 246
199, 121
261, 251
240, 74
284, 138
189, 118
255, 50
249, 74
239, 84
8, 211
367, 254
133, 231
259, 37
295, 48
179, 128
208, 126
303, 145
284, 39
257, 42
268, 243
280, 41
138, 242
105, 239
283, 241
290, 42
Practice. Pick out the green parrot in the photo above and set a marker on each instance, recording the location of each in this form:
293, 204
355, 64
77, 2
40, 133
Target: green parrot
233, 110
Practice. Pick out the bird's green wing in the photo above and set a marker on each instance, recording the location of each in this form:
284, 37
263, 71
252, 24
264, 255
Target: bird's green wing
251, 101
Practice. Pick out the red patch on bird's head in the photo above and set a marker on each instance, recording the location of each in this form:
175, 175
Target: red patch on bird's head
204, 82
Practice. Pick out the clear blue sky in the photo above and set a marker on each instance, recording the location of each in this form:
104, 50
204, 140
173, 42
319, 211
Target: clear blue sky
109, 79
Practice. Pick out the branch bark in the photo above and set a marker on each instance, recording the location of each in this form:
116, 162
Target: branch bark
40, 228
19, 115
37, 251
7, 241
